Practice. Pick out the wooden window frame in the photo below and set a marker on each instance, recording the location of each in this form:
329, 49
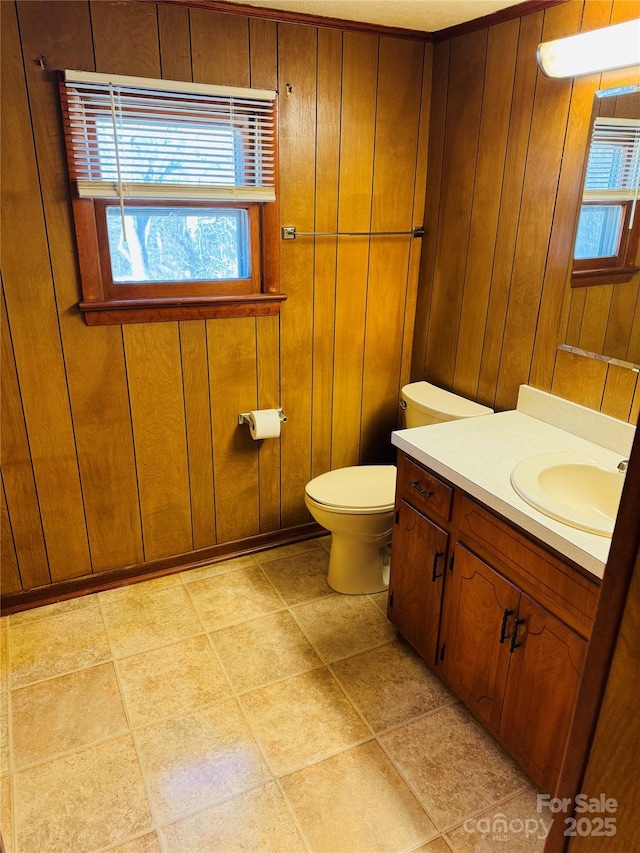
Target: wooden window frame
615, 269
107, 303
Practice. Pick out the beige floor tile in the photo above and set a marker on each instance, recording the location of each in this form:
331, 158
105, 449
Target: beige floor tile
81, 802
171, 680
218, 568
303, 719
256, 821
263, 650
391, 685
515, 826
381, 600
438, 845
6, 813
325, 542
287, 550
301, 577
356, 801
4, 732
343, 625
47, 648
230, 598
148, 843
72, 605
66, 713
148, 615
4, 654
199, 759
454, 766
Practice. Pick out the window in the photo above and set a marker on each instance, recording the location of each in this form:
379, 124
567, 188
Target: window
174, 202
609, 225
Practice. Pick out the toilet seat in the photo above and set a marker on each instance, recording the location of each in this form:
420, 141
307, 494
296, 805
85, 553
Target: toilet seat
359, 489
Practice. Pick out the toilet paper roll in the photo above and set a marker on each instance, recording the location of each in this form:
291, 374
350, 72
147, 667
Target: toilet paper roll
264, 423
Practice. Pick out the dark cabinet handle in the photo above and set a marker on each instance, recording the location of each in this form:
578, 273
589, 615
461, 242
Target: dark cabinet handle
514, 637
419, 488
436, 557
503, 631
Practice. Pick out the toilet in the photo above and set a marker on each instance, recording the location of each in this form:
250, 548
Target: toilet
356, 503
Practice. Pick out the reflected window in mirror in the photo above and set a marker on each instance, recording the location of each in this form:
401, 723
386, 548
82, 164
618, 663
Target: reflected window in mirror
608, 232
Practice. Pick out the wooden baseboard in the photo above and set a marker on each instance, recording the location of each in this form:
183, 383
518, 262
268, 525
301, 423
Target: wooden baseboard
85, 584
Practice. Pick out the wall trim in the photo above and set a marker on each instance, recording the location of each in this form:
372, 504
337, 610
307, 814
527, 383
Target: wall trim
85, 584
284, 16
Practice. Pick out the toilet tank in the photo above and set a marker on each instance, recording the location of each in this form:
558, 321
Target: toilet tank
425, 404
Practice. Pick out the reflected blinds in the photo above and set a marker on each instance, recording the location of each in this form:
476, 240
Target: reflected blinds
613, 169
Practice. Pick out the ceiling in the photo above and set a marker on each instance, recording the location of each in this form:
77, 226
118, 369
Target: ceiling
422, 15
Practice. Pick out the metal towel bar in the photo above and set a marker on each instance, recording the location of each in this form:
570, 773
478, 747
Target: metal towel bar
289, 233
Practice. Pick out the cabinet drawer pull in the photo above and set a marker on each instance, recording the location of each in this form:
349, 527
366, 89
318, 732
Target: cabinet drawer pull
436, 557
514, 637
418, 488
503, 631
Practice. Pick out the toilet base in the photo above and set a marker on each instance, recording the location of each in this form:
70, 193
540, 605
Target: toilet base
358, 567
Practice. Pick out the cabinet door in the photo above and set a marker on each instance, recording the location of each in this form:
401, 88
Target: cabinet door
479, 612
544, 675
418, 554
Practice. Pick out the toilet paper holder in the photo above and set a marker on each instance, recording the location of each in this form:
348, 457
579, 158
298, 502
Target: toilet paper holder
245, 417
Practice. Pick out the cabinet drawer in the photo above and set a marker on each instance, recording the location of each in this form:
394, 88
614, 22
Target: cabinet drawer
554, 584
422, 490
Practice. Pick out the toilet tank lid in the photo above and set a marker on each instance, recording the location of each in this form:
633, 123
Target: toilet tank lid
440, 403
355, 487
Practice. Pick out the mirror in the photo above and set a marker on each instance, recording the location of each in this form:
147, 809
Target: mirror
602, 319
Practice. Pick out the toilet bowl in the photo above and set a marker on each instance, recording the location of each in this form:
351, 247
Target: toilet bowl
356, 504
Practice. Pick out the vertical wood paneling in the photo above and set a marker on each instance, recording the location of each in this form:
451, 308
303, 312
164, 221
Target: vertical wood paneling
195, 380
297, 117
466, 74
396, 147
512, 187
8, 558
157, 413
528, 253
359, 83
175, 43
264, 71
551, 107
125, 38
329, 102
494, 125
34, 323
418, 220
232, 368
596, 15
94, 362
17, 474
441, 56
220, 48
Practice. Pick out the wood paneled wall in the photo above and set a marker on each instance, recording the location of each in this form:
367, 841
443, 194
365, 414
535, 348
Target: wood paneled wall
506, 157
120, 445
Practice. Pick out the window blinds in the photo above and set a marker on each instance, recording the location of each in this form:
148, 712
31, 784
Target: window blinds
138, 138
613, 169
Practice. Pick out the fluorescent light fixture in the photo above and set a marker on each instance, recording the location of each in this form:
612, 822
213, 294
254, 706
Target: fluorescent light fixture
587, 53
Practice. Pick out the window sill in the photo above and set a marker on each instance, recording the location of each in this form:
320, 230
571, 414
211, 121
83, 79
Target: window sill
116, 312
606, 275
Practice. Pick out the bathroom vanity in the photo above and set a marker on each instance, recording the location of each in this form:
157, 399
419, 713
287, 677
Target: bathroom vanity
498, 598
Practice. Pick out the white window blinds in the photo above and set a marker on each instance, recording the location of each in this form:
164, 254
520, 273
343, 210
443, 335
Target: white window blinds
613, 169
138, 138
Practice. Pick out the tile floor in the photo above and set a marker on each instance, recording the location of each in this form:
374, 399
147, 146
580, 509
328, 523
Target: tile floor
241, 707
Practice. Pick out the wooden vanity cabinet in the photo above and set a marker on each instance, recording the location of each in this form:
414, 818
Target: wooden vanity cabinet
419, 553
506, 626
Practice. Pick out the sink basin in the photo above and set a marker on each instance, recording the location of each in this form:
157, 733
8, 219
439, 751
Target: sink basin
571, 488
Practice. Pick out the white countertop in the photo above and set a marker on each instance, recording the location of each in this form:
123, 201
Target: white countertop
478, 455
